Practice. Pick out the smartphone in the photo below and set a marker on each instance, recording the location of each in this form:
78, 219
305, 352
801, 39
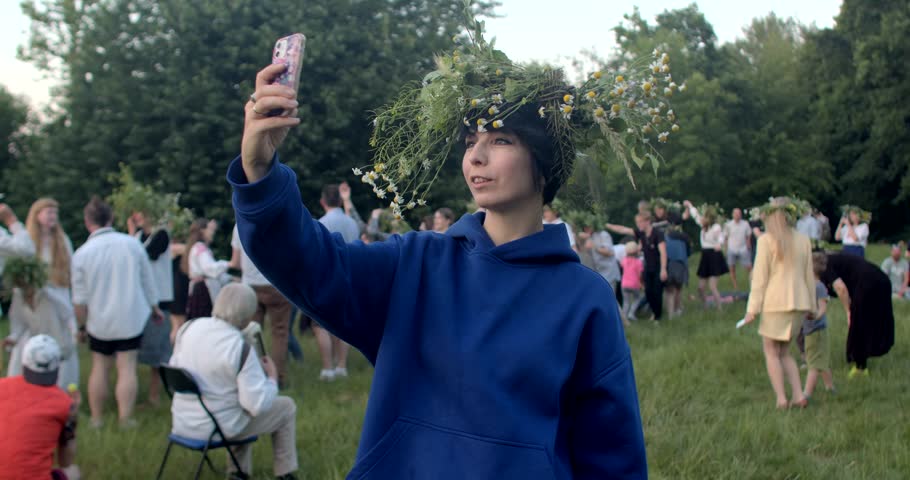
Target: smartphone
288, 51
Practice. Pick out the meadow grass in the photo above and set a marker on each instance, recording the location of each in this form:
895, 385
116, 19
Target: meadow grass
707, 408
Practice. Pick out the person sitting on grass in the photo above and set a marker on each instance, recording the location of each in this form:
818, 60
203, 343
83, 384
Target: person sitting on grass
898, 271
239, 388
815, 331
38, 418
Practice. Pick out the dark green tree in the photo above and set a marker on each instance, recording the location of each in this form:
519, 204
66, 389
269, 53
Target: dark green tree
160, 86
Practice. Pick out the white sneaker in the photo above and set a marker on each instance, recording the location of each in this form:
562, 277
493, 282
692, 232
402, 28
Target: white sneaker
327, 375
341, 372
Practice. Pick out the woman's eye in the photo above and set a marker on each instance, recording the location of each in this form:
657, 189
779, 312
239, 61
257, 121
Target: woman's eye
503, 141
468, 144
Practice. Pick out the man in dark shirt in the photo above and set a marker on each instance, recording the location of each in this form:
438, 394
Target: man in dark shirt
654, 247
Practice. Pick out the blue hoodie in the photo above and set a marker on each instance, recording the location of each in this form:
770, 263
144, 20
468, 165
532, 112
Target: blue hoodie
503, 363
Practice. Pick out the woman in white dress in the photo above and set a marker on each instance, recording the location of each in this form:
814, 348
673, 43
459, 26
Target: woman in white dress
51, 309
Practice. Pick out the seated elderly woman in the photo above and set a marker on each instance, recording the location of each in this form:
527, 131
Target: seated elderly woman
240, 389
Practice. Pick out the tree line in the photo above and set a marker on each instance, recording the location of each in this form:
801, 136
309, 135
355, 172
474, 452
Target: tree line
159, 85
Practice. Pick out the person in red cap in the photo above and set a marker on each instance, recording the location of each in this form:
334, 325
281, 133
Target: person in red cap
38, 417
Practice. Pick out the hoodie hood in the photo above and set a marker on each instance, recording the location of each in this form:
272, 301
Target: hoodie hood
549, 246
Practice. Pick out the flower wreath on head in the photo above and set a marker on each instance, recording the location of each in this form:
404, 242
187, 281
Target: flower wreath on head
865, 216
792, 207
712, 210
477, 87
668, 205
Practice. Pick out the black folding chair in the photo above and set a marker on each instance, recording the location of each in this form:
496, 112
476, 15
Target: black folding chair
178, 380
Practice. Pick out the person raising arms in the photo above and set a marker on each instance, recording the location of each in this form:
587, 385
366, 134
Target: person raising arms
478, 373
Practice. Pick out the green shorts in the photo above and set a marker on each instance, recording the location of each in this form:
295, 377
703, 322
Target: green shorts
818, 350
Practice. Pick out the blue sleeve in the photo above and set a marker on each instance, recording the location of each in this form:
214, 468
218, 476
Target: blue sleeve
606, 437
345, 287
821, 291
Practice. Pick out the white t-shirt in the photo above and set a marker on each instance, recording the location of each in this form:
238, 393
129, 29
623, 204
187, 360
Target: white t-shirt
809, 226
112, 276
251, 275
737, 234
569, 231
862, 235
203, 266
713, 237
337, 222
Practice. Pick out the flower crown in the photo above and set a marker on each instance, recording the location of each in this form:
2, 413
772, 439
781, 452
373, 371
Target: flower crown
25, 273
477, 87
711, 210
793, 208
864, 215
669, 205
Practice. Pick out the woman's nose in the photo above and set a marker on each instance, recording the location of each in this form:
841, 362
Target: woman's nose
478, 154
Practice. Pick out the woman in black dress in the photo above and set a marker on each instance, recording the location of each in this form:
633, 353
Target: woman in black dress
865, 292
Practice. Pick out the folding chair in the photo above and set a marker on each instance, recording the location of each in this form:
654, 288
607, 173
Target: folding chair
178, 380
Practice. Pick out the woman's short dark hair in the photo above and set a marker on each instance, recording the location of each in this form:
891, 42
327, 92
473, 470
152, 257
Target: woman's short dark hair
331, 196
527, 125
447, 213
98, 212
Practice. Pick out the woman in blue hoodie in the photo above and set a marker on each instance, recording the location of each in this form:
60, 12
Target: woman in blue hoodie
478, 372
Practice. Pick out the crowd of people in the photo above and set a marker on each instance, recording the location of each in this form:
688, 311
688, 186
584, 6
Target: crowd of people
130, 296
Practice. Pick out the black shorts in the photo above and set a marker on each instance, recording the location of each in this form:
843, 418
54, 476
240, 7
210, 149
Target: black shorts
110, 347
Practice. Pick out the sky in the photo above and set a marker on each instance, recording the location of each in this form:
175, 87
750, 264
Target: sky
544, 30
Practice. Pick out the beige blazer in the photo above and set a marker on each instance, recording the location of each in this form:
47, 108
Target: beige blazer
782, 286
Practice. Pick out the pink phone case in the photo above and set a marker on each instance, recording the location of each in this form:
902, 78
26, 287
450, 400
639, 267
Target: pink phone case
289, 51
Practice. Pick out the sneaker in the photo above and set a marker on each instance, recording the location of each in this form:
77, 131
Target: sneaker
327, 375
341, 372
856, 371
128, 423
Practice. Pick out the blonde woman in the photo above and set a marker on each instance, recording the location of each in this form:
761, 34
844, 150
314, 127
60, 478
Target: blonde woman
52, 312
783, 292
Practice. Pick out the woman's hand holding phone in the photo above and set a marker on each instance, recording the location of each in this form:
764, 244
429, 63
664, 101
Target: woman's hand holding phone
263, 134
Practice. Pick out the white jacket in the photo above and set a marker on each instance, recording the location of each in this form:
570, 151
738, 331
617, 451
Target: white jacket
210, 349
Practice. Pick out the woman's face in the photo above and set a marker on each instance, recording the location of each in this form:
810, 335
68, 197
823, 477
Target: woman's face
139, 219
498, 168
660, 212
209, 233
854, 218
47, 218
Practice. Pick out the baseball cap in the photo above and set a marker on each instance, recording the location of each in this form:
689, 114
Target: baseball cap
41, 360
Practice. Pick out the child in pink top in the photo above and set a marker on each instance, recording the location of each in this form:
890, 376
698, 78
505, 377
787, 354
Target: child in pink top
632, 269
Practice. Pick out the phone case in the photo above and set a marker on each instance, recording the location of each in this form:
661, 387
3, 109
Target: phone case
289, 51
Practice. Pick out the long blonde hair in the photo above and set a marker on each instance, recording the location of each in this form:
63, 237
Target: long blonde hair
782, 233
59, 274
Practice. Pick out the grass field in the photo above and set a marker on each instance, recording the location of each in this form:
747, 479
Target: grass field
707, 407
